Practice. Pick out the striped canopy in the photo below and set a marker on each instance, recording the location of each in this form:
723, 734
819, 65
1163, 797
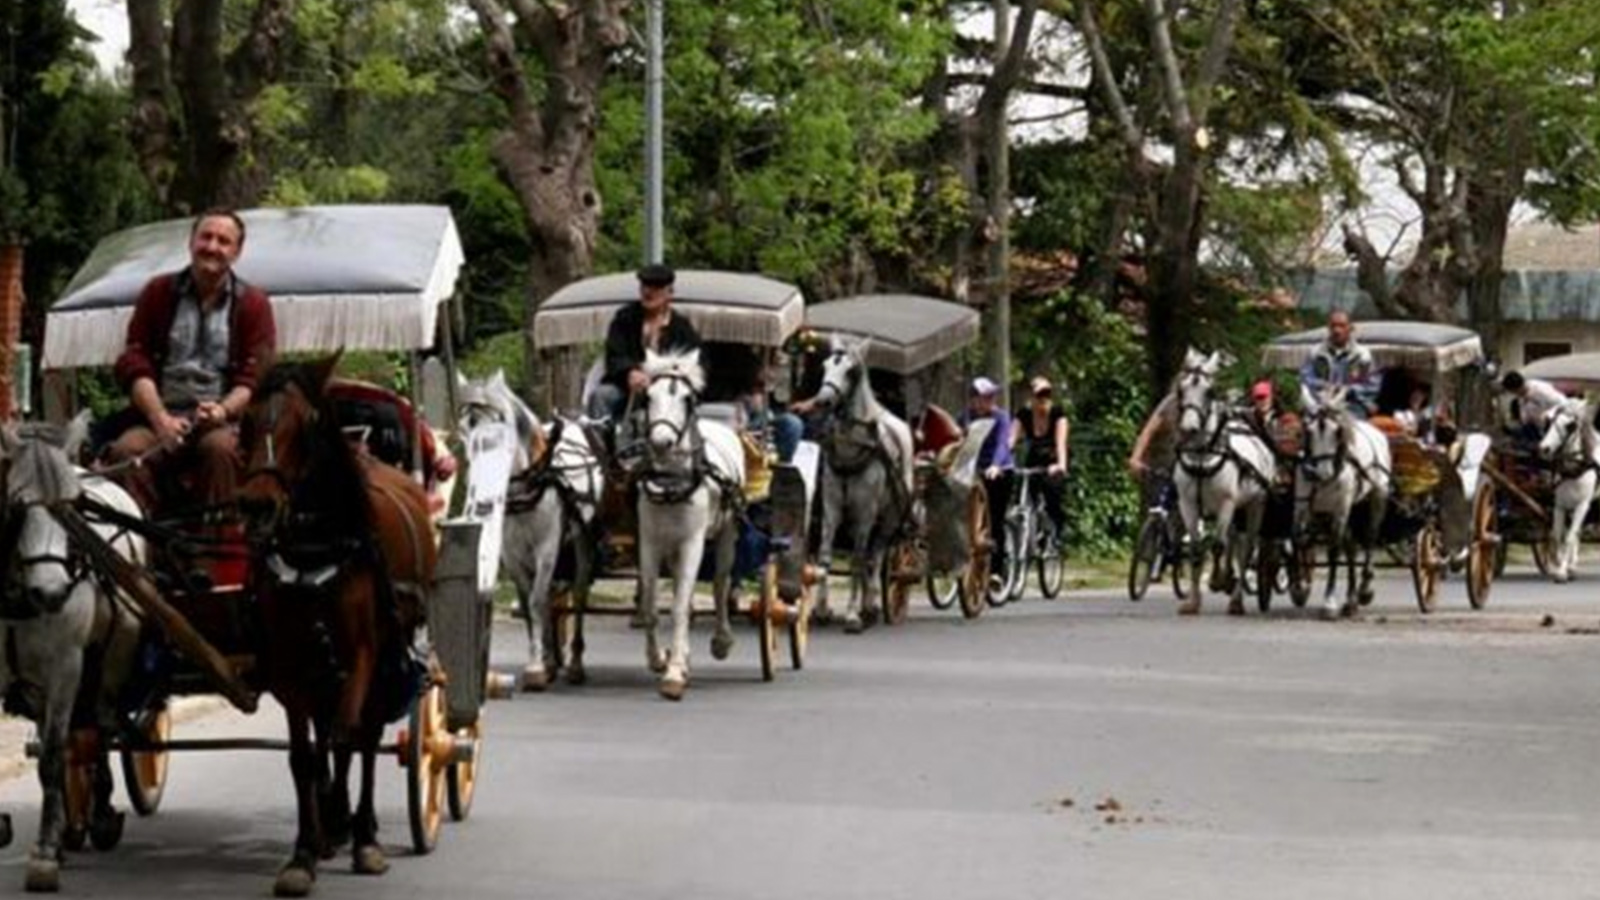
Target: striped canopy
908, 332
354, 277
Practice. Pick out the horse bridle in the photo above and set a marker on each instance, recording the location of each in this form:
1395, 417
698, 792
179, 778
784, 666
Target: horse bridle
690, 420
16, 603
1310, 462
1569, 425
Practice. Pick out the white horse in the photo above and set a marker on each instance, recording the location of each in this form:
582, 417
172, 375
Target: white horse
1345, 468
556, 481
1224, 469
51, 612
691, 486
1572, 449
868, 452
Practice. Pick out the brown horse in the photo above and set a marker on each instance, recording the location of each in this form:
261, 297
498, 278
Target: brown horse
343, 553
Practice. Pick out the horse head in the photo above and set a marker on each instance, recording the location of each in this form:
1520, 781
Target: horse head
843, 371
492, 402
1563, 431
1194, 390
285, 433
1325, 433
676, 380
38, 474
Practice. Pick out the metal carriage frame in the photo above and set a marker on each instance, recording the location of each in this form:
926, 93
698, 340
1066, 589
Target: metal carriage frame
1444, 501
339, 277
727, 308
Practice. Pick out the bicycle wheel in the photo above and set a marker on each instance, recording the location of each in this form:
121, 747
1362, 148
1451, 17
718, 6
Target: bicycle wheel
1147, 551
1007, 588
1050, 559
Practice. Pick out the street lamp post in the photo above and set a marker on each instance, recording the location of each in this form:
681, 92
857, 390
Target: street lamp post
654, 251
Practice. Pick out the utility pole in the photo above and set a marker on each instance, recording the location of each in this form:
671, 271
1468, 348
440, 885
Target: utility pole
1000, 214
654, 249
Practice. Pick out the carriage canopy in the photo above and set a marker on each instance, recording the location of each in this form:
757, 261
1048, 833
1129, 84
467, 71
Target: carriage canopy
356, 277
730, 307
1411, 345
909, 332
1575, 370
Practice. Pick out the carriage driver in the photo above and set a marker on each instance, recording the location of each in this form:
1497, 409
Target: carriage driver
647, 323
1530, 399
198, 341
1340, 360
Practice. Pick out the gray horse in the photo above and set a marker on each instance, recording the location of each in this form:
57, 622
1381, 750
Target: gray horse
868, 483
51, 615
556, 485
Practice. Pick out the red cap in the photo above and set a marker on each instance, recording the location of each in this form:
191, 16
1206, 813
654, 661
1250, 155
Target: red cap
1261, 390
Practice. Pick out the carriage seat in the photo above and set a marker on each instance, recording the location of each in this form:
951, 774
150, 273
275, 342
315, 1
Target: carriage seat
936, 429
729, 414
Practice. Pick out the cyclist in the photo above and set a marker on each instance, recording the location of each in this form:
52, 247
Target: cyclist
1042, 432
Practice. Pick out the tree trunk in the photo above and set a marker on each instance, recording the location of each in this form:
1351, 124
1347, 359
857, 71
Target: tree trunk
1174, 265
546, 151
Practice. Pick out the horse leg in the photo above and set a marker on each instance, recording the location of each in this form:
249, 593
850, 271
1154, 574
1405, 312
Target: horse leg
333, 789
1245, 549
582, 579
1189, 510
1580, 514
61, 689
721, 588
832, 505
1336, 540
366, 854
676, 679
856, 618
298, 875
649, 574
1229, 577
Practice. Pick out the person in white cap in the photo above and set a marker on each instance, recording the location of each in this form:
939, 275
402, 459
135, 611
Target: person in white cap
994, 461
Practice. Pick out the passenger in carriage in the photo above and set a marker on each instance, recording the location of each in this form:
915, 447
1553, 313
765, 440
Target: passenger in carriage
198, 341
740, 374
1341, 361
647, 324
390, 423
994, 460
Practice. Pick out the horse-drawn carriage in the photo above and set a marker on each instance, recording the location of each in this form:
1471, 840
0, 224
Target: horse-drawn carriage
936, 528
220, 580
1547, 490
701, 443
1441, 507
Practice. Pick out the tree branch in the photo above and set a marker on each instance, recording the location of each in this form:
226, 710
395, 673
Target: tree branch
1132, 135
1215, 60
1167, 64
505, 67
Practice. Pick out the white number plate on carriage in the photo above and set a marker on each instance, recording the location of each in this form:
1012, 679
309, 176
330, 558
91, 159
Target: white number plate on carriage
490, 450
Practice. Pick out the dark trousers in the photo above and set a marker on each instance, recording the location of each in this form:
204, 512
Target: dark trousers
999, 490
212, 456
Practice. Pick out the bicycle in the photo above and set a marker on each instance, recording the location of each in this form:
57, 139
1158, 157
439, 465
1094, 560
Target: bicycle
1031, 539
1157, 549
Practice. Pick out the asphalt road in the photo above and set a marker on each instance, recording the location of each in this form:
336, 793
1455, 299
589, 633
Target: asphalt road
1083, 748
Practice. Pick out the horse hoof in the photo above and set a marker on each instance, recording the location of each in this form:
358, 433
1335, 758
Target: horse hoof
535, 679
657, 663
1330, 613
673, 689
721, 644
105, 831
576, 674
74, 838
499, 686
822, 615
1189, 608
44, 876
853, 624
5, 830
870, 615
1367, 596
294, 881
1236, 607
369, 860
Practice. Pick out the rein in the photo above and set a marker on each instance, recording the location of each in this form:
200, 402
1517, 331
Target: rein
671, 487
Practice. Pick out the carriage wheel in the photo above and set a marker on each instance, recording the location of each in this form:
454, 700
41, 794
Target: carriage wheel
1487, 548
975, 580
767, 606
144, 774
426, 748
897, 563
1146, 563
1427, 564
461, 778
1542, 555
1266, 573
800, 623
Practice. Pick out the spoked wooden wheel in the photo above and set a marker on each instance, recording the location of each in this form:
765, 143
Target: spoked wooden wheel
767, 606
1542, 555
1427, 566
1482, 559
426, 750
900, 566
975, 580
144, 773
461, 778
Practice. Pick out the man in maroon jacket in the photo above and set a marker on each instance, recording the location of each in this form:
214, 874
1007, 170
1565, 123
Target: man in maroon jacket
198, 341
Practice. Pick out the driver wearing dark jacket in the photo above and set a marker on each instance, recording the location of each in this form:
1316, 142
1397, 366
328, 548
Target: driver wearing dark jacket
649, 323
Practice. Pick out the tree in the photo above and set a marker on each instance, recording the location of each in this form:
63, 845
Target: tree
1476, 106
197, 75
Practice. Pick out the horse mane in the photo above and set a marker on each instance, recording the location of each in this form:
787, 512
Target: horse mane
680, 364
334, 479
40, 470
